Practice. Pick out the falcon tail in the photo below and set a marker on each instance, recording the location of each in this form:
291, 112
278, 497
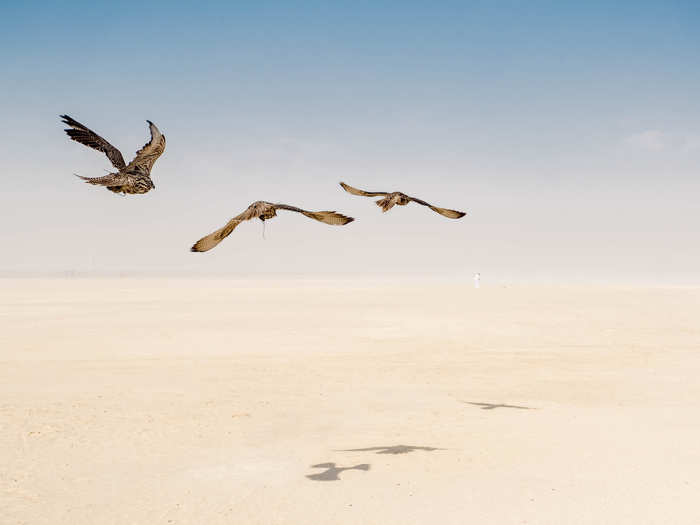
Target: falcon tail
107, 180
385, 204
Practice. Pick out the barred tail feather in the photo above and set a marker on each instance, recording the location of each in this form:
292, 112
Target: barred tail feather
385, 204
107, 180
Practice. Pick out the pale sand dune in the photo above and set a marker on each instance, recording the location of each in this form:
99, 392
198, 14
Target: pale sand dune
149, 402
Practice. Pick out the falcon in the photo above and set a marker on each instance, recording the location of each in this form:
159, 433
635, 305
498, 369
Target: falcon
134, 177
400, 199
264, 211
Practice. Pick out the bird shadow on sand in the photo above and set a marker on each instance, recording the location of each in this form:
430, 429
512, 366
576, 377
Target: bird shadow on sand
491, 406
332, 472
396, 449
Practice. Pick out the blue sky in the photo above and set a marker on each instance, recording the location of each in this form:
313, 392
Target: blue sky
569, 132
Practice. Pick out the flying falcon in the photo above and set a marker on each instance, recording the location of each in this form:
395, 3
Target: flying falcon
264, 211
401, 199
132, 178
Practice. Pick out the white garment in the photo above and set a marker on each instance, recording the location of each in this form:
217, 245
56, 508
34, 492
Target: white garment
477, 280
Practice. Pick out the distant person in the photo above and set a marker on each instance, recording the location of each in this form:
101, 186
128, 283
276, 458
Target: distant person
477, 280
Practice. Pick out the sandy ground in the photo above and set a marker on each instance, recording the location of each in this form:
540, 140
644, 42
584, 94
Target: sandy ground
182, 401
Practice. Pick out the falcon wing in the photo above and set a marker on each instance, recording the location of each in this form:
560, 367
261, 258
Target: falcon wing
327, 217
86, 136
207, 243
451, 214
362, 193
146, 156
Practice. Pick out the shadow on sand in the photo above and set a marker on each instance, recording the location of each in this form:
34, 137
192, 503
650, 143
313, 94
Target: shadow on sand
491, 406
396, 449
331, 472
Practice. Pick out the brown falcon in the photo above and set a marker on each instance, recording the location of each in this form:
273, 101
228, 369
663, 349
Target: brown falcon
134, 177
264, 211
401, 199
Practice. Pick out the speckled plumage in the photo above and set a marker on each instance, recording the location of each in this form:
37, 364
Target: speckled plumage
133, 178
396, 198
264, 211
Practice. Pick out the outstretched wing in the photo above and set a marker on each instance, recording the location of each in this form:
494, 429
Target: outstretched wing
327, 217
362, 193
86, 136
146, 156
452, 214
207, 243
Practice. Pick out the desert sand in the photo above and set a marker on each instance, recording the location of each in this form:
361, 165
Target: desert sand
137, 401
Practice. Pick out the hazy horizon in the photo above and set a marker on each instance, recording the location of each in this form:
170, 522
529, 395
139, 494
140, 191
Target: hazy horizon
569, 134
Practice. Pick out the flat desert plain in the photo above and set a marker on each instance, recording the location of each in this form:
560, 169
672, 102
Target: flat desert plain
136, 401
